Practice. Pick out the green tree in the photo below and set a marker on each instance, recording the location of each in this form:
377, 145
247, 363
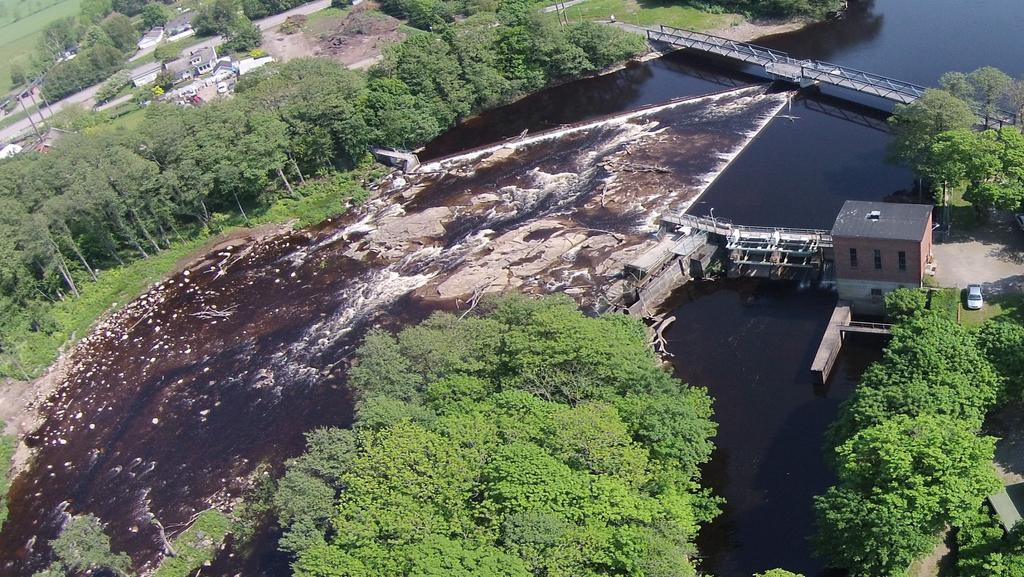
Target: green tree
904, 303
242, 35
1003, 345
990, 86
916, 126
155, 14
121, 31
900, 482
113, 85
82, 546
17, 73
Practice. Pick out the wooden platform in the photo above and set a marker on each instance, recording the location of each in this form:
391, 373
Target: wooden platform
831, 343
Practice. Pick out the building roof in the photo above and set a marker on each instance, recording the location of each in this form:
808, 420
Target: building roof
206, 55
147, 70
1007, 504
882, 220
183, 20
154, 33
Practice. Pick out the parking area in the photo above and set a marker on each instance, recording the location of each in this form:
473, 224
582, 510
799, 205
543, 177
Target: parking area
991, 254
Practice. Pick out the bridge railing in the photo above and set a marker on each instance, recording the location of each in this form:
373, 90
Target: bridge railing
760, 53
724, 227
817, 70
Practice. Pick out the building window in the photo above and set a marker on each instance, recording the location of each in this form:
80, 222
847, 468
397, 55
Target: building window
876, 292
878, 259
903, 261
853, 258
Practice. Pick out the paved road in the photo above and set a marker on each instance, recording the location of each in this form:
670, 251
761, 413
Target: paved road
85, 97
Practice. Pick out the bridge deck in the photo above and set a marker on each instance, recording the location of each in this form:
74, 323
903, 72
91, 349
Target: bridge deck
781, 65
868, 328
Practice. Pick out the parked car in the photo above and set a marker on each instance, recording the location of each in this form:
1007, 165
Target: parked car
974, 300
222, 87
1020, 221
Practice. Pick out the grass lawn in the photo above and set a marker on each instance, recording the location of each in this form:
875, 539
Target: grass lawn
962, 213
178, 46
19, 39
327, 14
646, 13
129, 120
1009, 305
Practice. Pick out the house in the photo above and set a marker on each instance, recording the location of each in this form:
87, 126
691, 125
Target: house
880, 247
147, 74
10, 150
195, 63
179, 24
247, 65
151, 38
224, 70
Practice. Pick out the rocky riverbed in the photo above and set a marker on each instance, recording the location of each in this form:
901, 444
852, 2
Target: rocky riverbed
168, 406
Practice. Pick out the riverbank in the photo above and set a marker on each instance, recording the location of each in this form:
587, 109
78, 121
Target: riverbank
749, 30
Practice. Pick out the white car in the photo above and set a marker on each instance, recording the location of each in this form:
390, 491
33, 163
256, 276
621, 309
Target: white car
222, 88
974, 300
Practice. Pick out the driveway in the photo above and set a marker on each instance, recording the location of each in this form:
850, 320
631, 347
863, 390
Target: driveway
992, 255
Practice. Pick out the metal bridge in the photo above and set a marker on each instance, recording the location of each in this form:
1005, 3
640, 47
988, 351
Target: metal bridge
782, 66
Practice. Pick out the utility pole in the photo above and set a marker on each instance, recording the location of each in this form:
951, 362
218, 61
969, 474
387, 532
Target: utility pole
30, 121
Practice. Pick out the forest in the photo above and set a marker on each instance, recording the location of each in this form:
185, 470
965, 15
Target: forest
523, 439
103, 197
909, 451
936, 137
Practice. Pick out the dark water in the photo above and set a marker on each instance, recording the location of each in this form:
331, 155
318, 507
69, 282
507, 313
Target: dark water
751, 344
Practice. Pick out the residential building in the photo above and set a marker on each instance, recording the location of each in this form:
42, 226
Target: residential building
151, 38
195, 63
147, 75
880, 247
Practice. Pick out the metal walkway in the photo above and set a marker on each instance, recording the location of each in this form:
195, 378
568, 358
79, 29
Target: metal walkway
756, 250
782, 66
739, 235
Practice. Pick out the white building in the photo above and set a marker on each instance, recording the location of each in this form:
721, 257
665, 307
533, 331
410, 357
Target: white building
151, 38
147, 75
247, 65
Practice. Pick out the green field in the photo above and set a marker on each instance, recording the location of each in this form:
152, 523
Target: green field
646, 13
19, 39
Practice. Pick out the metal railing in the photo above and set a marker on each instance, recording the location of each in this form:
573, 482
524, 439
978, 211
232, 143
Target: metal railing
812, 70
725, 227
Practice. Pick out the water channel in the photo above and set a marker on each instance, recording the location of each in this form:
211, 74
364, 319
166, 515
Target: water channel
749, 343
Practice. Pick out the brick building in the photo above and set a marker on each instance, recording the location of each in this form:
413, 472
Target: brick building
880, 247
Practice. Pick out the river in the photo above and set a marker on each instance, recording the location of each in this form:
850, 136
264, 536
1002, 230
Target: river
178, 429
751, 344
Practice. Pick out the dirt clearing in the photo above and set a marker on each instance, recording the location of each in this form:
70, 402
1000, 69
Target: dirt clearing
355, 38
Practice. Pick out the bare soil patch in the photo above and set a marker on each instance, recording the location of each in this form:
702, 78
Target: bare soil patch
355, 40
751, 30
